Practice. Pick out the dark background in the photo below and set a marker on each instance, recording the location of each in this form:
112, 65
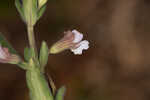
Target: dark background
117, 64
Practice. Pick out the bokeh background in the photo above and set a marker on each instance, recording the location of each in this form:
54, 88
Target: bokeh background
117, 64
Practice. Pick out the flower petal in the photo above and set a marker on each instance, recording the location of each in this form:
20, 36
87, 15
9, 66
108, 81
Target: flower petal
7, 57
78, 36
83, 45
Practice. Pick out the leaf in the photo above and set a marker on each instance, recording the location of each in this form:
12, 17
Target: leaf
34, 11
30, 8
51, 84
6, 44
28, 54
60, 94
43, 55
23, 65
20, 9
41, 12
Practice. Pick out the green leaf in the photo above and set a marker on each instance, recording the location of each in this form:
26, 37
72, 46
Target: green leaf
43, 55
20, 9
6, 44
28, 53
30, 8
41, 12
35, 11
60, 94
23, 65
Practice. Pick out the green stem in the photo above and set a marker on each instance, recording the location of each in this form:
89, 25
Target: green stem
31, 36
38, 86
32, 39
30, 28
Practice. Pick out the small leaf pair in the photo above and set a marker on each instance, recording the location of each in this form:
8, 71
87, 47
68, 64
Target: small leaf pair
30, 10
43, 57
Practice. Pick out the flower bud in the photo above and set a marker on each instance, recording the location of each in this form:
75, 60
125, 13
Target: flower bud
41, 3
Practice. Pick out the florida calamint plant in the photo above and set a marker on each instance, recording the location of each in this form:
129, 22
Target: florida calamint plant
34, 63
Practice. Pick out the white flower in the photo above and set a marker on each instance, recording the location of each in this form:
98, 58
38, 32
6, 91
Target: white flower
78, 36
72, 40
81, 45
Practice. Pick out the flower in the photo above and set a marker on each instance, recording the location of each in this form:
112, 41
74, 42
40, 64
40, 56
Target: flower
7, 57
72, 40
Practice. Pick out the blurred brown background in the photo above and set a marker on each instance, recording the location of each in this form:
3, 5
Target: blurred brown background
117, 64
